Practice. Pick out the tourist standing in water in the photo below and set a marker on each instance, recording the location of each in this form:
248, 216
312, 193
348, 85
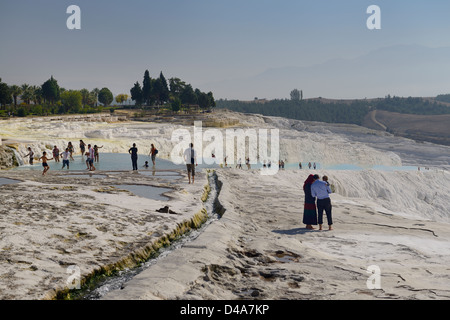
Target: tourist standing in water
44, 162
321, 190
82, 148
91, 158
309, 210
65, 158
70, 147
31, 155
56, 153
190, 156
239, 164
134, 156
96, 154
153, 153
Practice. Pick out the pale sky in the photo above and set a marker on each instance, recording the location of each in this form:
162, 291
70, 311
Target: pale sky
203, 42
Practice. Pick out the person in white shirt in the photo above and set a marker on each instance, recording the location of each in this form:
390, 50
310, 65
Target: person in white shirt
321, 190
91, 158
190, 156
65, 156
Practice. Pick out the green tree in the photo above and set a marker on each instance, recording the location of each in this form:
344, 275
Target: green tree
211, 100
163, 89
202, 99
71, 101
105, 96
295, 95
37, 96
121, 98
27, 93
94, 94
147, 92
136, 94
176, 86
188, 96
5, 95
15, 92
176, 104
85, 95
51, 90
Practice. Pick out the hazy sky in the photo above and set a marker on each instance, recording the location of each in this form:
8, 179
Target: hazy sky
200, 41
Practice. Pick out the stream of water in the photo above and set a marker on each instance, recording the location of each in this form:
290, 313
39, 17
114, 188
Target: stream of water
116, 282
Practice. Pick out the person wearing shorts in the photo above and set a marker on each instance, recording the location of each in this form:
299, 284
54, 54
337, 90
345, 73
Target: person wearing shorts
90, 158
44, 162
153, 153
31, 155
56, 153
65, 156
82, 147
190, 156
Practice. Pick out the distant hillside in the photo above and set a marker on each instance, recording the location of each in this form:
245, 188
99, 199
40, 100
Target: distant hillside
310, 109
423, 119
431, 128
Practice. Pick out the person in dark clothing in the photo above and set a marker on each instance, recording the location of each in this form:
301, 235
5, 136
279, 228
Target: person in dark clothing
309, 211
134, 156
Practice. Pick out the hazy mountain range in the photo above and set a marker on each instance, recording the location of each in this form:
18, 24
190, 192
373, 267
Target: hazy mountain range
402, 70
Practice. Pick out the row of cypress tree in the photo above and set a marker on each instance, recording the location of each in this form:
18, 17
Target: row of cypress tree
159, 91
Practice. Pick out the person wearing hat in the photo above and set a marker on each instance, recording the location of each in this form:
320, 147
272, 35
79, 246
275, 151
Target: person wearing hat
321, 190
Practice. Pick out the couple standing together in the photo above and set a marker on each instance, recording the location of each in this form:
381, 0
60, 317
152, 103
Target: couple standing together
315, 188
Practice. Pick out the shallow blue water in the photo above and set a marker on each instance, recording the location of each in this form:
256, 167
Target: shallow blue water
122, 162
112, 161
150, 192
4, 181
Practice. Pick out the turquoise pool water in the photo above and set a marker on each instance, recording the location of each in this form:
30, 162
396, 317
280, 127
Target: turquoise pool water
122, 162
113, 162
150, 192
4, 181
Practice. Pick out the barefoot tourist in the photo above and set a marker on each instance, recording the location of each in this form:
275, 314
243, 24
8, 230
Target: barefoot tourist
71, 149
190, 156
96, 154
56, 153
44, 162
90, 158
82, 147
153, 153
134, 156
31, 155
65, 158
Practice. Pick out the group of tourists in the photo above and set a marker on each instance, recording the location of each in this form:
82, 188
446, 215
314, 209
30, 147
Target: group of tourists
190, 157
134, 156
309, 165
92, 155
315, 188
